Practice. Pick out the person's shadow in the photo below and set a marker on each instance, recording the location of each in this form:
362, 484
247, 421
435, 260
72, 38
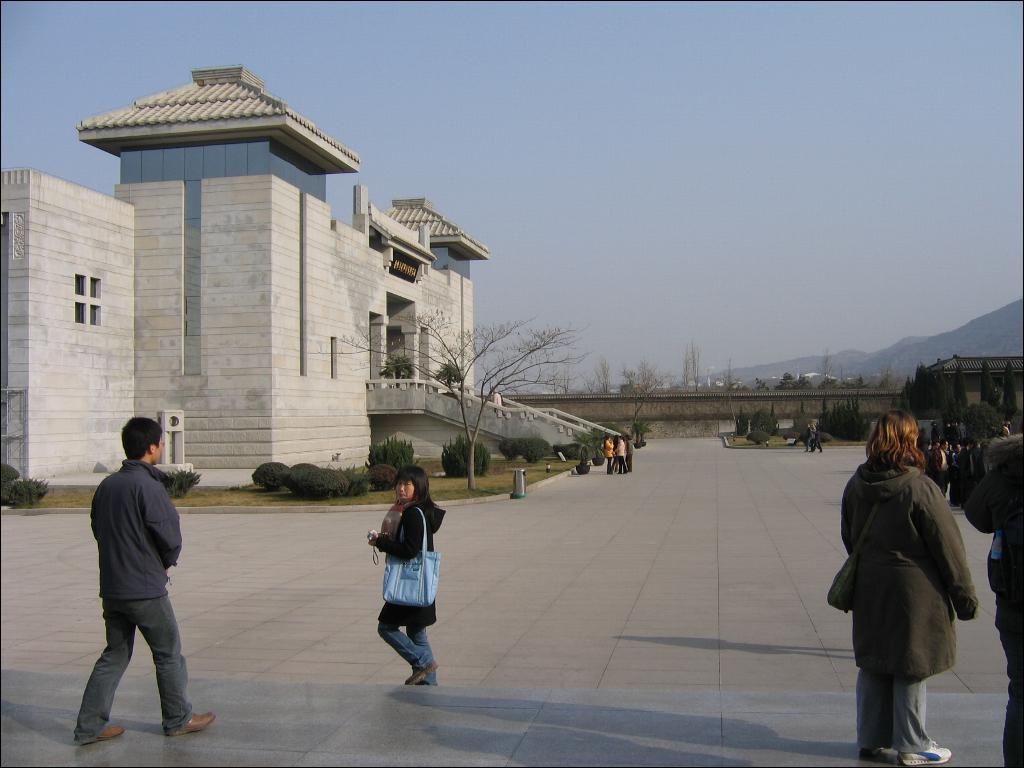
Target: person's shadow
715, 644
585, 734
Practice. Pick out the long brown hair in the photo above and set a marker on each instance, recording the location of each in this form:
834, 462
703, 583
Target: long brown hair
893, 443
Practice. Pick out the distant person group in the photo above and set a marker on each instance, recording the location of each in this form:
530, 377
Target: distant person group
618, 454
813, 438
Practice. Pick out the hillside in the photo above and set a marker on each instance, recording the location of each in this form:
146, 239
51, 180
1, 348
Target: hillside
997, 333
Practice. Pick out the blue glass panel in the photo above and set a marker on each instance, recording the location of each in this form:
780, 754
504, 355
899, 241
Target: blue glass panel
193, 163
193, 199
152, 165
174, 164
213, 161
131, 166
235, 160
318, 186
259, 157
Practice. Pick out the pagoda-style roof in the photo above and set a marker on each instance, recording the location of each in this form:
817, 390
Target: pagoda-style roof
996, 364
220, 104
415, 211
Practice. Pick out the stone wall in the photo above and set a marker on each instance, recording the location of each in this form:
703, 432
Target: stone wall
79, 377
681, 414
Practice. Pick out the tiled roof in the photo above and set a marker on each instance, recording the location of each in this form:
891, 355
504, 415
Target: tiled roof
413, 212
397, 232
973, 364
218, 94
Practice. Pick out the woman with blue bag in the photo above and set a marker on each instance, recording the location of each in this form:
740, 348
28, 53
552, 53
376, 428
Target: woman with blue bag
410, 576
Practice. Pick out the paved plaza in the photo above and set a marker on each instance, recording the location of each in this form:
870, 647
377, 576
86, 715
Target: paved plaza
674, 616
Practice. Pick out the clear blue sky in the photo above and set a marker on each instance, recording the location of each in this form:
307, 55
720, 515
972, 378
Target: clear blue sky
768, 180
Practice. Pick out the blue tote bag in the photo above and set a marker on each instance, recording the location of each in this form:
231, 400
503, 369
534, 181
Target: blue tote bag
413, 582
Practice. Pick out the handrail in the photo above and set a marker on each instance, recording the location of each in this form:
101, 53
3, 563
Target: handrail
574, 423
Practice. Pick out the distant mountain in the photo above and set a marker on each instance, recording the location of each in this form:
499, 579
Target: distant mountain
997, 333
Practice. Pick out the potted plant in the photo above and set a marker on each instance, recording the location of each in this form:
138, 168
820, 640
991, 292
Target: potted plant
396, 367
640, 428
585, 446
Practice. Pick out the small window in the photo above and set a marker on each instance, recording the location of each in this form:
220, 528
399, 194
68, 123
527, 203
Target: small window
94, 315
334, 357
80, 285
79, 312
94, 287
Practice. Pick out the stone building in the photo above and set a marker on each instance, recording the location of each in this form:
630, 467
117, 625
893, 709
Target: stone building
214, 288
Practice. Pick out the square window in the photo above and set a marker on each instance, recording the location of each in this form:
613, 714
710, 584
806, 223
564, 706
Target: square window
94, 287
80, 285
79, 312
94, 315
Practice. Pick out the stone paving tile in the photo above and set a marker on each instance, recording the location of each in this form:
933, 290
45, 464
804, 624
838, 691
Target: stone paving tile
719, 600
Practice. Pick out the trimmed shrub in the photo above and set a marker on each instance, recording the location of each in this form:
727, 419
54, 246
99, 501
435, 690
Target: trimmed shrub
382, 477
983, 421
510, 447
312, 482
455, 456
397, 453
24, 493
287, 481
357, 482
533, 449
845, 421
571, 451
742, 423
758, 436
764, 421
270, 476
792, 434
180, 482
8, 474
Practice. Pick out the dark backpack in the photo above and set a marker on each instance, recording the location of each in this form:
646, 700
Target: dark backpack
1006, 558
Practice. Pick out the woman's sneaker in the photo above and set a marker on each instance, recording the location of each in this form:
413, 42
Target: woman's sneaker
933, 755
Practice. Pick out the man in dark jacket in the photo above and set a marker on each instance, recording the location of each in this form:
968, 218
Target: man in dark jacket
139, 538
987, 510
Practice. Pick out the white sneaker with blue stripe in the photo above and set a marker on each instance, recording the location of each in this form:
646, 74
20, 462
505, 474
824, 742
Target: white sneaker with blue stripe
932, 755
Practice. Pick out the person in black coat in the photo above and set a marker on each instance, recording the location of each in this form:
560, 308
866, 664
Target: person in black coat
413, 490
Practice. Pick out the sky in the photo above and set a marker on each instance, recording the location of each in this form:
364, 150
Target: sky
765, 180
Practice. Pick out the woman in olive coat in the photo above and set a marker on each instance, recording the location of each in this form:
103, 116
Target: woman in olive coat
911, 578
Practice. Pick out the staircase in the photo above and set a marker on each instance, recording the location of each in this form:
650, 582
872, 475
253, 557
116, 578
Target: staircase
403, 397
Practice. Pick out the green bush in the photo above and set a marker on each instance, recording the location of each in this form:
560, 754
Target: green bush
287, 480
534, 449
24, 493
270, 475
825, 437
758, 436
510, 447
455, 456
8, 474
845, 421
382, 477
742, 423
180, 482
357, 481
571, 450
397, 367
983, 421
764, 421
397, 453
311, 482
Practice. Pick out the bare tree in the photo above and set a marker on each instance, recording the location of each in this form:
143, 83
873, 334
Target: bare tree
502, 357
601, 382
691, 366
827, 368
640, 383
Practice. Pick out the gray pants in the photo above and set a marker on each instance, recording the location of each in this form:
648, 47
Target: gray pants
891, 712
155, 620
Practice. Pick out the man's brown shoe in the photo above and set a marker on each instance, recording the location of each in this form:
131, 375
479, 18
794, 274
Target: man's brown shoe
197, 723
110, 732
420, 675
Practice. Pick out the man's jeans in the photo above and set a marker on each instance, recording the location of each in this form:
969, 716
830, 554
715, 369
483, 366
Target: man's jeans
415, 648
155, 620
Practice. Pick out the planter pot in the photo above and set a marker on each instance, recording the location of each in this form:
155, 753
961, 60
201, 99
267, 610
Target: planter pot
582, 469
598, 461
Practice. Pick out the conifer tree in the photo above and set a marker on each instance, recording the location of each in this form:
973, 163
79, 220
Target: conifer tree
959, 389
988, 386
1009, 392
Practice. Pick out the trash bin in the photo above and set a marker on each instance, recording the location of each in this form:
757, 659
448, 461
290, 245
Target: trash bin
518, 483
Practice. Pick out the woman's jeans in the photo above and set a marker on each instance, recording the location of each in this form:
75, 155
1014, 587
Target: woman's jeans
414, 648
891, 712
155, 620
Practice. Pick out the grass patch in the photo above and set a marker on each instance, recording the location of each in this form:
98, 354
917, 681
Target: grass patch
497, 480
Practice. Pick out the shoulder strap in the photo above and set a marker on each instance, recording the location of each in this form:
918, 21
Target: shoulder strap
864, 530
424, 518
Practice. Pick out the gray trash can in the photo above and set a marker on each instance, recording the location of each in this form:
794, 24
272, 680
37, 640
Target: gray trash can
518, 483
